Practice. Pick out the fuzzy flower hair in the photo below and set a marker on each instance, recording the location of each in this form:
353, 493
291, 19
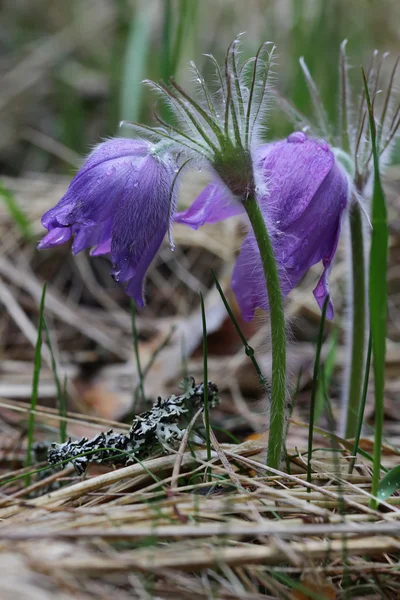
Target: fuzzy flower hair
222, 127
351, 140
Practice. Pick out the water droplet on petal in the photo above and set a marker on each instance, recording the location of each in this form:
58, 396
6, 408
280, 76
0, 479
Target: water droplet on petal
136, 183
298, 137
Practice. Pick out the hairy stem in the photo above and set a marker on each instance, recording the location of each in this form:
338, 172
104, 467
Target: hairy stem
278, 334
358, 310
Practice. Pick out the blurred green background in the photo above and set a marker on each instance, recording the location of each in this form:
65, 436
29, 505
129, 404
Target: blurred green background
71, 70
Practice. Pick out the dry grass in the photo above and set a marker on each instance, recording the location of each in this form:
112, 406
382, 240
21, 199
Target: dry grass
249, 534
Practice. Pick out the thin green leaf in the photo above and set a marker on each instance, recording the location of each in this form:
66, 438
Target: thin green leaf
315, 388
63, 409
35, 386
60, 392
362, 406
137, 356
389, 483
377, 295
20, 219
187, 19
135, 61
205, 379
326, 375
166, 41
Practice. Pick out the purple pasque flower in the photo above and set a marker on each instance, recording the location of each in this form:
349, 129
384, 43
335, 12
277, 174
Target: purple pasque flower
120, 202
302, 194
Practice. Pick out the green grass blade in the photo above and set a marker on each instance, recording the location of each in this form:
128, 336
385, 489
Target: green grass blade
205, 379
326, 375
135, 62
60, 391
303, 590
137, 356
35, 385
20, 219
291, 407
153, 357
377, 295
362, 406
315, 388
187, 18
183, 12
389, 483
166, 62
63, 408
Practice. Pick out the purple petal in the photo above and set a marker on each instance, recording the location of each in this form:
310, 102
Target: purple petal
111, 168
215, 203
103, 248
135, 287
321, 292
55, 237
92, 235
308, 194
248, 282
142, 214
120, 202
293, 170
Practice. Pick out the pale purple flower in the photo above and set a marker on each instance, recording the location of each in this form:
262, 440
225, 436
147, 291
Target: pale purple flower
120, 202
303, 205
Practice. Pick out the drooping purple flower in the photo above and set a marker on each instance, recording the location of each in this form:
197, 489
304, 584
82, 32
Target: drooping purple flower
306, 196
120, 202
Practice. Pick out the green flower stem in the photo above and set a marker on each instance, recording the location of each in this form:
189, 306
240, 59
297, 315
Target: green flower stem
278, 334
358, 321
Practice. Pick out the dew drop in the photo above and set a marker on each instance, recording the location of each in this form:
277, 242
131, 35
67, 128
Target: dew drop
298, 137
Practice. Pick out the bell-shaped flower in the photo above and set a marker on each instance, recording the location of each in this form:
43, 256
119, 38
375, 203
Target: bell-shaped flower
302, 192
120, 202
